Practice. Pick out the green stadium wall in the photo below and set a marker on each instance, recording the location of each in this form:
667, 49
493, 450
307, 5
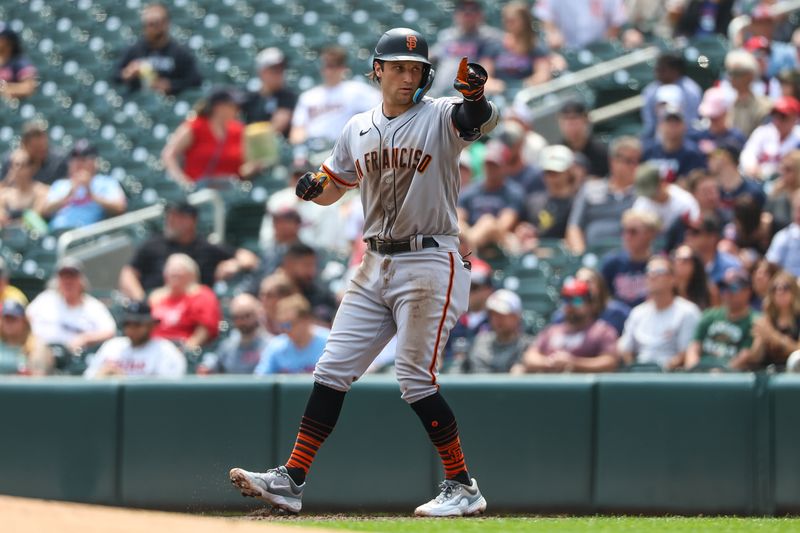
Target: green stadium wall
636, 443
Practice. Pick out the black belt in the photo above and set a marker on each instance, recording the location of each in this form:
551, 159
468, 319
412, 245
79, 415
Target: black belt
398, 247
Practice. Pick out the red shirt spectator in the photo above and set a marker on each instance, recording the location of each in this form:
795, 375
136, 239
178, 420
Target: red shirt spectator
210, 157
187, 311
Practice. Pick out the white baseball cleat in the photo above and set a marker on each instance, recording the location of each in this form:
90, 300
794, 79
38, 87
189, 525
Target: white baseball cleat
273, 486
455, 499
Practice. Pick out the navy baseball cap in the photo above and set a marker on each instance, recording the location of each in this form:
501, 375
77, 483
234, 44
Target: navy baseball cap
138, 312
83, 148
182, 206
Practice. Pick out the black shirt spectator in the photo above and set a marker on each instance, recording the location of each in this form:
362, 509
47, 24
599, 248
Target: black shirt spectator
49, 163
156, 59
576, 134
272, 102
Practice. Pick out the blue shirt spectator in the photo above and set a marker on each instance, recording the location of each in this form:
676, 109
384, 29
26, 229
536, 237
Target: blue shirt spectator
672, 153
84, 197
785, 247
282, 356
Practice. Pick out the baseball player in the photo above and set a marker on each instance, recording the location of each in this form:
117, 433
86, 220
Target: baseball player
412, 283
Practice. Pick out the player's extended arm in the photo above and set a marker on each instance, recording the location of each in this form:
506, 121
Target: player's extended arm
475, 116
316, 187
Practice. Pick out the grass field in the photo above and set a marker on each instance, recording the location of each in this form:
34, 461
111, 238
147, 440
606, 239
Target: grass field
557, 525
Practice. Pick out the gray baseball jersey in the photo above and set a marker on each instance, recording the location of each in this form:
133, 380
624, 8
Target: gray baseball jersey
407, 169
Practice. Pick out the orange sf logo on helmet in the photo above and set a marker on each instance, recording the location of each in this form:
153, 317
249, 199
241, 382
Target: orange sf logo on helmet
411, 42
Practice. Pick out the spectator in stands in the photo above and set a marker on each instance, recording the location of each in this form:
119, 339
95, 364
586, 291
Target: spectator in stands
723, 336
18, 76
273, 288
469, 36
136, 352
188, 312
84, 196
488, 211
519, 57
156, 60
691, 282
715, 128
475, 320
659, 330
767, 83
671, 151
548, 211
599, 204
700, 18
501, 347
613, 312
323, 111
241, 351
749, 108
790, 83
761, 274
706, 191
300, 264
659, 195
209, 146
779, 201
576, 134
785, 247
287, 223
582, 343
8, 291
20, 195
20, 351
66, 314
769, 143
723, 164
703, 236
48, 163
145, 271
670, 69
624, 270
575, 24
777, 331
533, 142
273, 102
301, 343
527, 175
750, 231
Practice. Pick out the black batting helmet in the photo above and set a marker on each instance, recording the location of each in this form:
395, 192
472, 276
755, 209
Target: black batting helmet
402, 44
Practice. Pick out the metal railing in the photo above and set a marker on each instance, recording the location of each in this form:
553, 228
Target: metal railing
68, 238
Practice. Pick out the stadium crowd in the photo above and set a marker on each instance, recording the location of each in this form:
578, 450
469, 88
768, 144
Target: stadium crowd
679, 247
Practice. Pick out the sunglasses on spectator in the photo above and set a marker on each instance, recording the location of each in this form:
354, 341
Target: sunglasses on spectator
631, 230
286, 326
574, 301
782, 288
241, 316
22, 164
657, 271
632, 161
731, 288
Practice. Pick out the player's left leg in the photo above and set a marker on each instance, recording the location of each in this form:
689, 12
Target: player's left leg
431, 292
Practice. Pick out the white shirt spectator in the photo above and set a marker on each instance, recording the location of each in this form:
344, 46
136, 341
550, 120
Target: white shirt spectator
54, 322
656, 336
764, 150
680, 202
582, 21
157, 358
323, 111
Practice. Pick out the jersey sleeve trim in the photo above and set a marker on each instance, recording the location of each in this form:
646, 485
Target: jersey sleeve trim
336, 179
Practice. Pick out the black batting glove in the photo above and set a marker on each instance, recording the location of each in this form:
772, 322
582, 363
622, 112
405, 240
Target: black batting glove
309, 186
470, 80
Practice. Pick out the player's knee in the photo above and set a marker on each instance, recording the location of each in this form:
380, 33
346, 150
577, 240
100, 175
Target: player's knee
415, 389
333, 380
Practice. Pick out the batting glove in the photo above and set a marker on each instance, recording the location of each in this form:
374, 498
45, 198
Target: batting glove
470, 80
310, 185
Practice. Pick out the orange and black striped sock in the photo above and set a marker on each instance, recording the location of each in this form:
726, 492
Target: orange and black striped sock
440, 423
319, 419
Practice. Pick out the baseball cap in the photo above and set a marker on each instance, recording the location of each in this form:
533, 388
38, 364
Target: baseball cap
182, 206
505, 302
732, 147
734, 278
83, 148
224, 95
13, 308
69, 263
714, 103
669, 94
496, 152
786, 105
670, 111
469, 5
481, 273
556, 158
509, 133
647, 181
574, 287
139, 312
287, 212
573, 107
269, 57
756, 43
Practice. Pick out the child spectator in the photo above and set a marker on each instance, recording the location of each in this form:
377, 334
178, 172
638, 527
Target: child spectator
301, 343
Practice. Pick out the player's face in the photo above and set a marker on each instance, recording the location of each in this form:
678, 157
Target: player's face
399, 80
